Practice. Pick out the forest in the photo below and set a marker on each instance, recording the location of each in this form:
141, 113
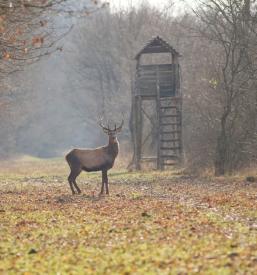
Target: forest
68, 67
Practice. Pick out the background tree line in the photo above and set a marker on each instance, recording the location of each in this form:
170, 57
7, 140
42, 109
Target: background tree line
54, 104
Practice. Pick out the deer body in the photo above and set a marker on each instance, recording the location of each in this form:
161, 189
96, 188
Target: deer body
98, 159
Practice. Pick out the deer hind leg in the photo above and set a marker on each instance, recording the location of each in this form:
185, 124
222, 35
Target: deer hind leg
72, 180
76, 186
75, 175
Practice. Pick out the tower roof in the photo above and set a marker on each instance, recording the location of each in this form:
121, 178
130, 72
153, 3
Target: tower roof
157, 45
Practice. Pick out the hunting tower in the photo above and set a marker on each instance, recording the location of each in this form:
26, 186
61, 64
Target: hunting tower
157, 105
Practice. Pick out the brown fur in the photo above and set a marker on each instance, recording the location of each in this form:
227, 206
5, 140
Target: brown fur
99, 159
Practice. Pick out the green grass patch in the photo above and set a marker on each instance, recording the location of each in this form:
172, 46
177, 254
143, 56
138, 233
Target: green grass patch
152, 223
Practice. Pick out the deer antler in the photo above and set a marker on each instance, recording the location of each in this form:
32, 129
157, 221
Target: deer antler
108, 129
102, 126
120, 127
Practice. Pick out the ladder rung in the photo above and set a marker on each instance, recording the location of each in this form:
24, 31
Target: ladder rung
149, 159
169, 116
168, 107
171, 157
171, 98
170, 124
170, 148
170, 132
170, 140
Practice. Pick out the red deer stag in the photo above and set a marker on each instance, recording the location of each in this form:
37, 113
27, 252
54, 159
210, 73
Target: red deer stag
98, 159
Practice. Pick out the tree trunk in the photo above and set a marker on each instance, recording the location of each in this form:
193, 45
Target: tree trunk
222, 148
221, 152
132, 134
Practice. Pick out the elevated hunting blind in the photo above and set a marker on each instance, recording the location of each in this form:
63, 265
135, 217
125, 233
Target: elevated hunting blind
157, 105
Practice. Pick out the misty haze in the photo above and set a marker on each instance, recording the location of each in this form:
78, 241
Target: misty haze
128, 141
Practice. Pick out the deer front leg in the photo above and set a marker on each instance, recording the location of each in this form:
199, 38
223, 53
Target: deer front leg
103, 179
106, 182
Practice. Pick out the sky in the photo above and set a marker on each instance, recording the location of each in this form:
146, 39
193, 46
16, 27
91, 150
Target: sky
179, 4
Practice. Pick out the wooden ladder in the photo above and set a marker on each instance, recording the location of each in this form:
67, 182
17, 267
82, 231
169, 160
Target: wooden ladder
170, 132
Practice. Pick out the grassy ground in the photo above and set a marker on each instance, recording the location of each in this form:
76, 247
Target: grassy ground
152, 223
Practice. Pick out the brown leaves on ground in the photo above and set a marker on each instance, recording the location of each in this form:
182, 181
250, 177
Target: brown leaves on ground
152, 223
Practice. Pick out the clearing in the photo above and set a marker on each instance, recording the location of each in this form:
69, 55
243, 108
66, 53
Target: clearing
152, 223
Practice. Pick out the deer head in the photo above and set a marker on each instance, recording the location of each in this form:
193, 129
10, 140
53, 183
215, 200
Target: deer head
112, 133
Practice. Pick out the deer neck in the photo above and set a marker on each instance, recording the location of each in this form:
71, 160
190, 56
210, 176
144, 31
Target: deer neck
113, 146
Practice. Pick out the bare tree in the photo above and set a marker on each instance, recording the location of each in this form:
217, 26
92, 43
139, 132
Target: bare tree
227, 24
29, 29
